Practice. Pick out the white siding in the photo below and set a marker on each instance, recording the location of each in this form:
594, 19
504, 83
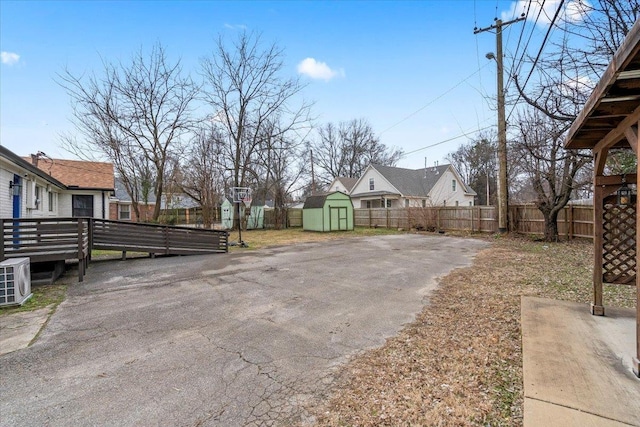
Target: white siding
337, 186
28, 206
380, 183
66, 207
6, 198
443, 192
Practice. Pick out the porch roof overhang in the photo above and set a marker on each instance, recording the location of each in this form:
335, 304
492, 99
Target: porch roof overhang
614, 105
376, 195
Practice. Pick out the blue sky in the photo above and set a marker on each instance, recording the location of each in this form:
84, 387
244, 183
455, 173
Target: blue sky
414, 70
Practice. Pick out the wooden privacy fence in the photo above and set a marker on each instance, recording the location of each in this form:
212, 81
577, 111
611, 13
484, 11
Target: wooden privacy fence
44, 240
573, 220
475, 219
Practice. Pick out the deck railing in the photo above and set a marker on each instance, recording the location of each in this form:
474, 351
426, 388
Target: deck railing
47, 239
156, 239
61, 239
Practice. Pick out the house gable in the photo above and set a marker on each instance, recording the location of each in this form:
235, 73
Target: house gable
343, 184
412, 187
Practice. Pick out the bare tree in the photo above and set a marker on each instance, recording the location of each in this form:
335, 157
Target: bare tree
245, 90
476, 162
549, 168
134, 114
585, 39
347, 149
282, 167
202, 174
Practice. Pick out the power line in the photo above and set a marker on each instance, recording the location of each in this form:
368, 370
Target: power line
535, 62
447, 140
538, 55
433, 100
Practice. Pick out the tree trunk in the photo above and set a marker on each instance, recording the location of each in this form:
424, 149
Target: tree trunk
550, 226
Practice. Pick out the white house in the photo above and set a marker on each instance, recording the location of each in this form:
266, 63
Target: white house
391, 187
342, 184
45, 187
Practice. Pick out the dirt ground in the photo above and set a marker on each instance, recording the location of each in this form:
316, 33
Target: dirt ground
460, 362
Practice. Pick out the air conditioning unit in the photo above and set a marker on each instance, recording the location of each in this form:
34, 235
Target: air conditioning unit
15, 281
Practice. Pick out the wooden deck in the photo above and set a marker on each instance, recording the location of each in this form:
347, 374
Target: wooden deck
61, 239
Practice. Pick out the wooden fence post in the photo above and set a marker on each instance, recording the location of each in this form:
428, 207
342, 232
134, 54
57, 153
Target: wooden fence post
471, 209
81, 260
571, 229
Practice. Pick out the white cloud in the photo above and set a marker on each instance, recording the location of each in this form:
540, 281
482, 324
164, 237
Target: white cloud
235, 26
580, 85
572, 11
317, 70
9, 58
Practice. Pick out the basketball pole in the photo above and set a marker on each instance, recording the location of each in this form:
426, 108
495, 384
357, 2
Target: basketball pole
239, 224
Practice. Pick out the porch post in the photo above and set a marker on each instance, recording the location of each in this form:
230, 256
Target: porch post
636, 360
597, 309
600, 157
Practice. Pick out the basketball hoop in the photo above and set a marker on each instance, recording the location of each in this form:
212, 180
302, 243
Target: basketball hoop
247, 201
242, 195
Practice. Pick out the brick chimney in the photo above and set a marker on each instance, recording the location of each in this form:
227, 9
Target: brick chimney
34, 159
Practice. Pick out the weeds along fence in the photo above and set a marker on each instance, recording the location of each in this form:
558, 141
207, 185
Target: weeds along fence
573, 220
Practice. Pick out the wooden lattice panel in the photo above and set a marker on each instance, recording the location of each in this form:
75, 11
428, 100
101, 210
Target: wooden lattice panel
619, 244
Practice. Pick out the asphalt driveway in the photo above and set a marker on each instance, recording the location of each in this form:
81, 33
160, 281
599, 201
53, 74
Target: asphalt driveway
236, 339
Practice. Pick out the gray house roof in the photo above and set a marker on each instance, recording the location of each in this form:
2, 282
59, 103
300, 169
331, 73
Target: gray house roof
122, 195
415, 182
348, 183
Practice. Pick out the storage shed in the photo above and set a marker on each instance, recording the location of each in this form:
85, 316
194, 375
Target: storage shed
254, 221
328, 212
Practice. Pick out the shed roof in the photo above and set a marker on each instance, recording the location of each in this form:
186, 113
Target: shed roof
614, 103
318, 200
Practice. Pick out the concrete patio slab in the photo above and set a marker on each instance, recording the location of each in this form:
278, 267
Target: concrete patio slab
19, 329
577, 367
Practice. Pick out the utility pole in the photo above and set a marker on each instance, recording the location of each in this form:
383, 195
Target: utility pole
313, 177
503, 186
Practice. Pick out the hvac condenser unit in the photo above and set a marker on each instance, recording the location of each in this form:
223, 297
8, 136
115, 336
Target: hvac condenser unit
15, 281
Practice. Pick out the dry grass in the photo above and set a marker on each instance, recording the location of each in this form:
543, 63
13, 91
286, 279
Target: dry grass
460, 362
257, 239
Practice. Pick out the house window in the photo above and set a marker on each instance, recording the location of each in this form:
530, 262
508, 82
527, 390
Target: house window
470, 203
457, 203
453, 184
38, 195
82, 205
124, 212
406, 203
444, 203
388, 203
371, 184
424, 203
52, 201
368, 204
